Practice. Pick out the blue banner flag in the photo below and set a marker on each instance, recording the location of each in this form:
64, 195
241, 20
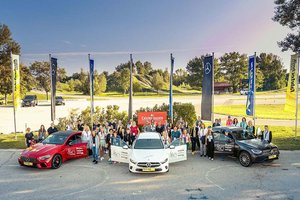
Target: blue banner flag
92, 83
53, 71
207, 88
171, 90
251, 86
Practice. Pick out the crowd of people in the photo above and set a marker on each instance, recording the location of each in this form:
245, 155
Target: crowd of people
102, 135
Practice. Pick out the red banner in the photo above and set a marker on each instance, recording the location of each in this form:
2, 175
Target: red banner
143, 117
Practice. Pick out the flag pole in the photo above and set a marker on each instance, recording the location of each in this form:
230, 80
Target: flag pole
51, 89
91, 92
130, 90
171, 90
254, 88
13, 95
213, 88
297, 90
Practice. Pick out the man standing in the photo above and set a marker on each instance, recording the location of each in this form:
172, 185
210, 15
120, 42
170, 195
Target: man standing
52, 129
194, 133
199, 121
159, 128
267, 135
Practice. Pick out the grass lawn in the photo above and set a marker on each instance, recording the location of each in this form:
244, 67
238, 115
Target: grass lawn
266, 111
283, 137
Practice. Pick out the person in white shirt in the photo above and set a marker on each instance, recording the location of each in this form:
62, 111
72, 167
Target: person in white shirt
202, 134
85, 137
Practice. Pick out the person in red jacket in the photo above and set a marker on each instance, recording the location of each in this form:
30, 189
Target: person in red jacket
134, 131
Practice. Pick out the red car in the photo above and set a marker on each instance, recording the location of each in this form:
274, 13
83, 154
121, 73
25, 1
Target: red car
54, 150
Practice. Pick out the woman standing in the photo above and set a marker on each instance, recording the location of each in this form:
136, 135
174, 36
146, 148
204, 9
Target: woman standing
210, 144
85, 137
243, 124
134, 131
42, 133
235, 122
250, 128
29, 138
202, 135
229, 121
185, 138
102, 135
94, 144
165, 138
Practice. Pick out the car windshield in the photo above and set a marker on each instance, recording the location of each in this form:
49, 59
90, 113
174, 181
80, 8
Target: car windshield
29, 97
55, 139
148, 144
242, 135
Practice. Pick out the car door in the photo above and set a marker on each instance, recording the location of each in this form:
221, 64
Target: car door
219, 147
119, 151
75, 148
177, 151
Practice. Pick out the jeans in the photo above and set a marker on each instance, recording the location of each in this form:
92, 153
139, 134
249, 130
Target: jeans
202, 149
95, 153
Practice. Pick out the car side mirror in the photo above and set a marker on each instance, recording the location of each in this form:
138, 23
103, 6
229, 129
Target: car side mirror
172, 147
125, 147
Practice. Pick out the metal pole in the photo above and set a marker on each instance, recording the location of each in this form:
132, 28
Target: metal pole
130, 90
254, 85
51, 89
171, 90
13, 94
213, 88
91, 92
297, 89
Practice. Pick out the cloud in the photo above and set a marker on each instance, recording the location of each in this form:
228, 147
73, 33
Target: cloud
66, 42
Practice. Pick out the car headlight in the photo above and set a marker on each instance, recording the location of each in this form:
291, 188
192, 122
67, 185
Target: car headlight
132, 161
163, 162
44, 157
256, 151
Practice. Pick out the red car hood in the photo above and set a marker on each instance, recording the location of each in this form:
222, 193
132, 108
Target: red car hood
41, 150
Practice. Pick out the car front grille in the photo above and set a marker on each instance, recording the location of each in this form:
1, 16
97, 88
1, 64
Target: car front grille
27, 159
273, 151
148, 164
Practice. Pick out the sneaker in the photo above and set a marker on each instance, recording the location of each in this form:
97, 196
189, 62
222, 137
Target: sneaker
102, 158
209, 158
109, 160
193, 153
94, 161
201, 155
204, 155
212, 159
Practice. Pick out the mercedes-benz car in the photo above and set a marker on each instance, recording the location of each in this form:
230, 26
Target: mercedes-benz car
59, 101
148, 154
29, 100
54, 150
239, 143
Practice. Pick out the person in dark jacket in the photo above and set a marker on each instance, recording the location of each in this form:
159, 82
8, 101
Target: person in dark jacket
29, 138
267, 135
52, 129
194, 134
159, 127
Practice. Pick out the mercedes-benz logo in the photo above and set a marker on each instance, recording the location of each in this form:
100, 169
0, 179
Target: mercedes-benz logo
27, 159
207, 68
148, 164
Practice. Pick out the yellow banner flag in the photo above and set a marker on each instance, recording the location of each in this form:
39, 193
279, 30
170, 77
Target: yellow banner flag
290, 103
16, 80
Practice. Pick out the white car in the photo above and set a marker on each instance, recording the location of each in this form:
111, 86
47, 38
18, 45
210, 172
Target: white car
148, 154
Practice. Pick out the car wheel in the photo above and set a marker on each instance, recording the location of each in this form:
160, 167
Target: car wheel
245, 159
56, 161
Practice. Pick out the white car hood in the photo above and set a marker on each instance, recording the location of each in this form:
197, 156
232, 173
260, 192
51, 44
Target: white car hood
149, 155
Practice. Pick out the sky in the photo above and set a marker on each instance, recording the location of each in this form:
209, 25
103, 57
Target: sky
110, 30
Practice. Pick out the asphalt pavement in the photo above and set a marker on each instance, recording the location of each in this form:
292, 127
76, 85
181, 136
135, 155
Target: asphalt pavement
196, 178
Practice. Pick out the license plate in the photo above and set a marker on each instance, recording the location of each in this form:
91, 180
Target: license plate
149, 170
28, 163
272, 156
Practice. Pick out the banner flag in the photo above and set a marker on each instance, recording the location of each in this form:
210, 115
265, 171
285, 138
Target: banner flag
290, 103
53, 71
207, 88
251, 86
171, 89
92, 84
16, 80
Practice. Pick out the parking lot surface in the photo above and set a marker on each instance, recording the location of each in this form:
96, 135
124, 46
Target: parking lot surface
196, 178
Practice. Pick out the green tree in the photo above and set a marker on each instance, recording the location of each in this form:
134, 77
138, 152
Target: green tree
287, 13
124, 80
7, 45
26, 79
157, 81
166, 76
136, 86
234, 65
180, 77
140, 68
41, 73
195, 72
113, 81
273, 71
100, 84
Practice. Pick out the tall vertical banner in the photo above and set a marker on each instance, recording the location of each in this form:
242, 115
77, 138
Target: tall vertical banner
251, 86
16, 80
171, 90
290, 102
91, 62
53, 72
130, 90
207, 88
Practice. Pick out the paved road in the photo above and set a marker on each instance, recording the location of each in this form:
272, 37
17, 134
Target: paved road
197, 178
35, 116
